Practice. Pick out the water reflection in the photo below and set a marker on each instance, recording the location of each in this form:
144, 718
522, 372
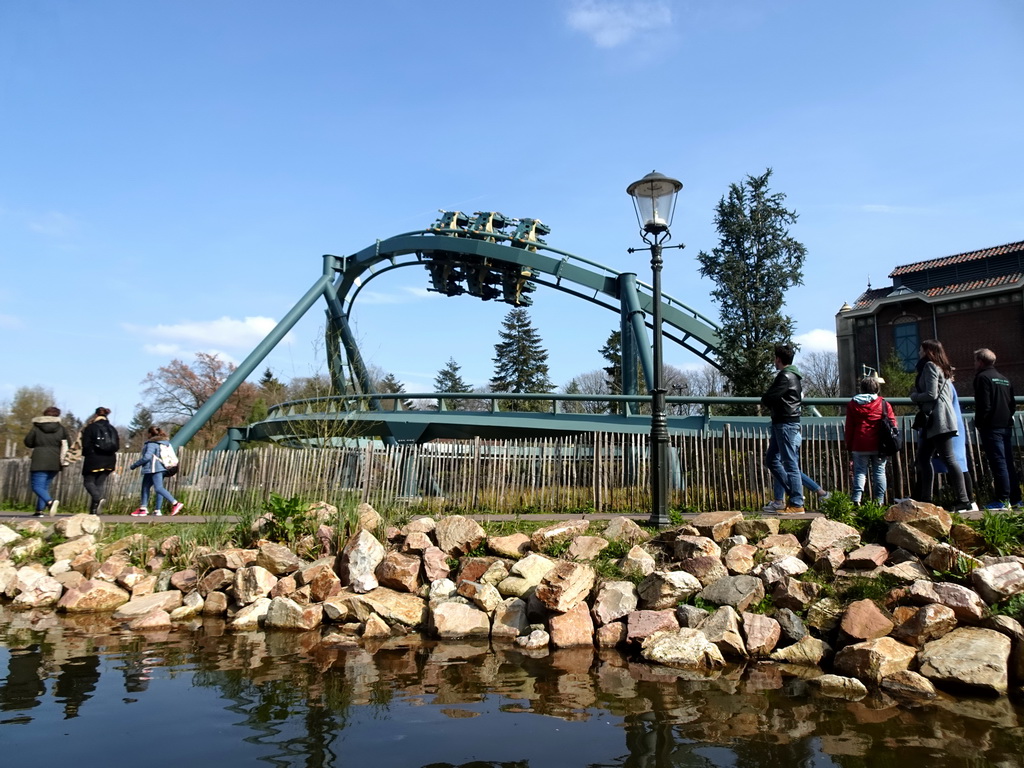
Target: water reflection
286, 699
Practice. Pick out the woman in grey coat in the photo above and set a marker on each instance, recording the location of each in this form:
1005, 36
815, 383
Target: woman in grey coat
933, 393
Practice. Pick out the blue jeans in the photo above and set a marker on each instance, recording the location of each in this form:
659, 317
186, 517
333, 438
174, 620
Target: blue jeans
155, 481
998, 447
862, 460
783, 461
41, 481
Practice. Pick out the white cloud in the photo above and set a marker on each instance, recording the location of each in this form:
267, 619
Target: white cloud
163, 350
818, 340
611, 24
223, 332
403, 296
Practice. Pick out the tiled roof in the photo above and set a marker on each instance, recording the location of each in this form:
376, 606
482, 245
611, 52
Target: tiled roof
868, 298
959, 258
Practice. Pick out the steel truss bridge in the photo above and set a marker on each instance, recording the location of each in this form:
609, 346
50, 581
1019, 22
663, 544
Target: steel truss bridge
492, 257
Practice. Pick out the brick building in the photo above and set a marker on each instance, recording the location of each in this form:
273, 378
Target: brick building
966, 301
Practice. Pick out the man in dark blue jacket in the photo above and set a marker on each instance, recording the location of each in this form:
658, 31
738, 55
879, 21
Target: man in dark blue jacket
994, 406
783, 400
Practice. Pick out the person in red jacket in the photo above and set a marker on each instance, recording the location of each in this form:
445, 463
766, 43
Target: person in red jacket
863, 414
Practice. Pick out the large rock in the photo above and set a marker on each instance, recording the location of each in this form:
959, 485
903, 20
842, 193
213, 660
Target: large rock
231, 558
839, 687
435, 564
823, 615
707, 569
7, 536
565, 586
771, 573
824, 534
78, 525
761, 634
642, 624
716, 525
615, 599
779, 546
791, 626
285, 613
278, 559
637, 562
867, 557
911, 539
545, 537
686, 547
874, 659
928, 518
400, 572
394, 607
458, 535
69, 550
807, 650
215, 580
723, 629
756, 528
586, 548
192, 605
515, 545
357, 564
975, 658
454, 620
39, 591
795, 595
966, 604
999, 582
740, 560
665, 589
525, 575
739, 592
251, 616
687, 648
624, 529
864, 620
930, 622
907, 684
251, 583
509, 620
140, 606
572, 628
92, 597
483, 596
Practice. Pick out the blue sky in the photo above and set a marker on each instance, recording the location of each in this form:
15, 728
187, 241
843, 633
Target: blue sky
172, 171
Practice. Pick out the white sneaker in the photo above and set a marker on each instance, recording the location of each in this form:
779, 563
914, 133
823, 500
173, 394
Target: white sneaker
52, 506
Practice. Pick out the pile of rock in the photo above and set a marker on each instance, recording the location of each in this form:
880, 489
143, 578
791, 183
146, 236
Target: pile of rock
722, 589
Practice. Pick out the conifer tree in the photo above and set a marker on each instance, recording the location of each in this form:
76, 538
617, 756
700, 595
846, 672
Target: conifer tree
391, 385
450, 380
520, 361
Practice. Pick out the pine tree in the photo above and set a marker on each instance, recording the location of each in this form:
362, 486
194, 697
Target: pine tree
391, 385
755, 263
449, 380
520, 361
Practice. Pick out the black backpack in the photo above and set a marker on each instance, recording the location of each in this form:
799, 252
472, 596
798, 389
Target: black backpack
889, 439
105, 439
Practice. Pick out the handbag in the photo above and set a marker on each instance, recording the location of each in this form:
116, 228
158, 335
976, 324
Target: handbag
890, 441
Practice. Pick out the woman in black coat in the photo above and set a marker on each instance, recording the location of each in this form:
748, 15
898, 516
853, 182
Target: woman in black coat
100, 444
45, 441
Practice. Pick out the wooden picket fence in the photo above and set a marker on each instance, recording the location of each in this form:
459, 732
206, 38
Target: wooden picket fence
601, 472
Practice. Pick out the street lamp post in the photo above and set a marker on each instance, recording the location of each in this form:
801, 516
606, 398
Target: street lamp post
654, 200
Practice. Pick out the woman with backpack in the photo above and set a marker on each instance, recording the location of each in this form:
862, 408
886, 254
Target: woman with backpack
49, 441
156, 450
864, 417
100, 444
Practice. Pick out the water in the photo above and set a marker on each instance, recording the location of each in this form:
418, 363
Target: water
80, 691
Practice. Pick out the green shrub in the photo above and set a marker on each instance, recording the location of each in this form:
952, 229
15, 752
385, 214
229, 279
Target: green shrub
1003, 532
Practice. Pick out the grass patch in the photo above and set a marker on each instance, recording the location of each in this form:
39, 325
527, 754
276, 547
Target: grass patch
1002, 532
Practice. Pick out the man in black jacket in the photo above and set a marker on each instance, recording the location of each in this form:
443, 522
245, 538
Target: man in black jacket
994, 406
783, 400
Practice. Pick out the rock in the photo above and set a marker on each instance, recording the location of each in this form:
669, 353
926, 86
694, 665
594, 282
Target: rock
586, 548
908, 684
483, 596
642, 624
417, 542
509, 619
7, 536
867, 556
610, 635
535, 641
435, 564
637, 562
686, 648
251, 616
573, 628
251, 583
394, 607
970, 657
911, 539
738, 592
155, 619
77, 525
85, 544
525, 574
770, 573
400, 572
740, 559
927, 623
756, 529
874, 659
286, 586
285, 613
999, 582
707, 569
806, 650
278, 559
795, 595
145, 586
779, 546
376, 627
232, 559
140, 606
829, 562
185, 581
761, 634
716, 525
624, 529
864, 620
425, 525
666, 589
458, 535
369, 519
791, 626
686, 547
324, 585
966, 603
906, 572
824, 534
949, 559
496, 573
543, 538
964, 537
615, 600
1007, 626
216, 580
215, 604
358, 562
92, 597
840, 687
565, 586
723, 629
37, 590
691, 616
515, 545
824, 614
474, 568
933, 521
454, 620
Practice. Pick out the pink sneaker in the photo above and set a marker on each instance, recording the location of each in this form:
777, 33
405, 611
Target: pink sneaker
140, 512
178, 506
